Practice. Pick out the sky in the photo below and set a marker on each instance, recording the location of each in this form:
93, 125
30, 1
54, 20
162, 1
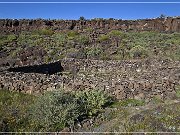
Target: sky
89, 11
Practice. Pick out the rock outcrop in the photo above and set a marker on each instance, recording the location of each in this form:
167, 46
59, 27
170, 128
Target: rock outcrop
169, 24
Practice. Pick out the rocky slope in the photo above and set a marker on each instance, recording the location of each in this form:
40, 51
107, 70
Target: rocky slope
126, 65
136, 62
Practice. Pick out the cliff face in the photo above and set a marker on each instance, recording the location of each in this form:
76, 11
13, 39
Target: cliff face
169, 24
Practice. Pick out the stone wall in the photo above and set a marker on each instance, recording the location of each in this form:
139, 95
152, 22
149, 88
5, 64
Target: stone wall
126, 79
169, 24
140, 79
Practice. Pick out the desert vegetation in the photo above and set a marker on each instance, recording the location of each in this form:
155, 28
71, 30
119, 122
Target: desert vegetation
111, 80
115, 44
56, 110
51, 111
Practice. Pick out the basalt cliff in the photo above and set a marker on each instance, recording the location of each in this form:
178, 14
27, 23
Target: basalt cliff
169, 24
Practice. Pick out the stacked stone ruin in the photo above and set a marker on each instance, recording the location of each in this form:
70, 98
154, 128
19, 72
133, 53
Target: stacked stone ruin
139, 79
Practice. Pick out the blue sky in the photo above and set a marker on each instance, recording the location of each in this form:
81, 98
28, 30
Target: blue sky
89, 11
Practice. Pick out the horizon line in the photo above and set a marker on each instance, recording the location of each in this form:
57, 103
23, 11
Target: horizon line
89, 19
28, 2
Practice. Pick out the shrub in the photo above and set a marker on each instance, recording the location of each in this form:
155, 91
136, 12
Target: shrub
91, 101
83, 40
11, 38
116, 36
128, 102
54, 110
178, 91
116, 33
51, 111
82, 18
32, 39
156, 100
92, 52
88, 30
80, 54
72, 34
103, 38
60, 39
44, 31
15, 52
14, 111
97, 19
3, 40
138, 52
162, 16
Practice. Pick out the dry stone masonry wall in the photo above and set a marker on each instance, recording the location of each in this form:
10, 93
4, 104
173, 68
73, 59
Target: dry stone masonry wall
139, 79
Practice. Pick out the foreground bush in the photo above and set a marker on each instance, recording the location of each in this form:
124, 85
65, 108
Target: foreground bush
14, 111
54, 110
91, 101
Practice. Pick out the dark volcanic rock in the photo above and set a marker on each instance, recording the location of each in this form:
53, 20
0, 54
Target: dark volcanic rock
169, 24
121, 79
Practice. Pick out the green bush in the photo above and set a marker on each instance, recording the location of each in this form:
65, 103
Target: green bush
89, 30
103, 38
3, 40
91, 52
11, 38
72, 34
27, 39
116, 33
51, 111
83, 40
177, 88
82, 18
44, 31
128, 102
54, 110
59, 38
138, 52
91, 101
14, 111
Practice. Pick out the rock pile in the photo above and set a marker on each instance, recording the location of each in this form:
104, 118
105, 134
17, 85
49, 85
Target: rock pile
28, 82
139, 79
